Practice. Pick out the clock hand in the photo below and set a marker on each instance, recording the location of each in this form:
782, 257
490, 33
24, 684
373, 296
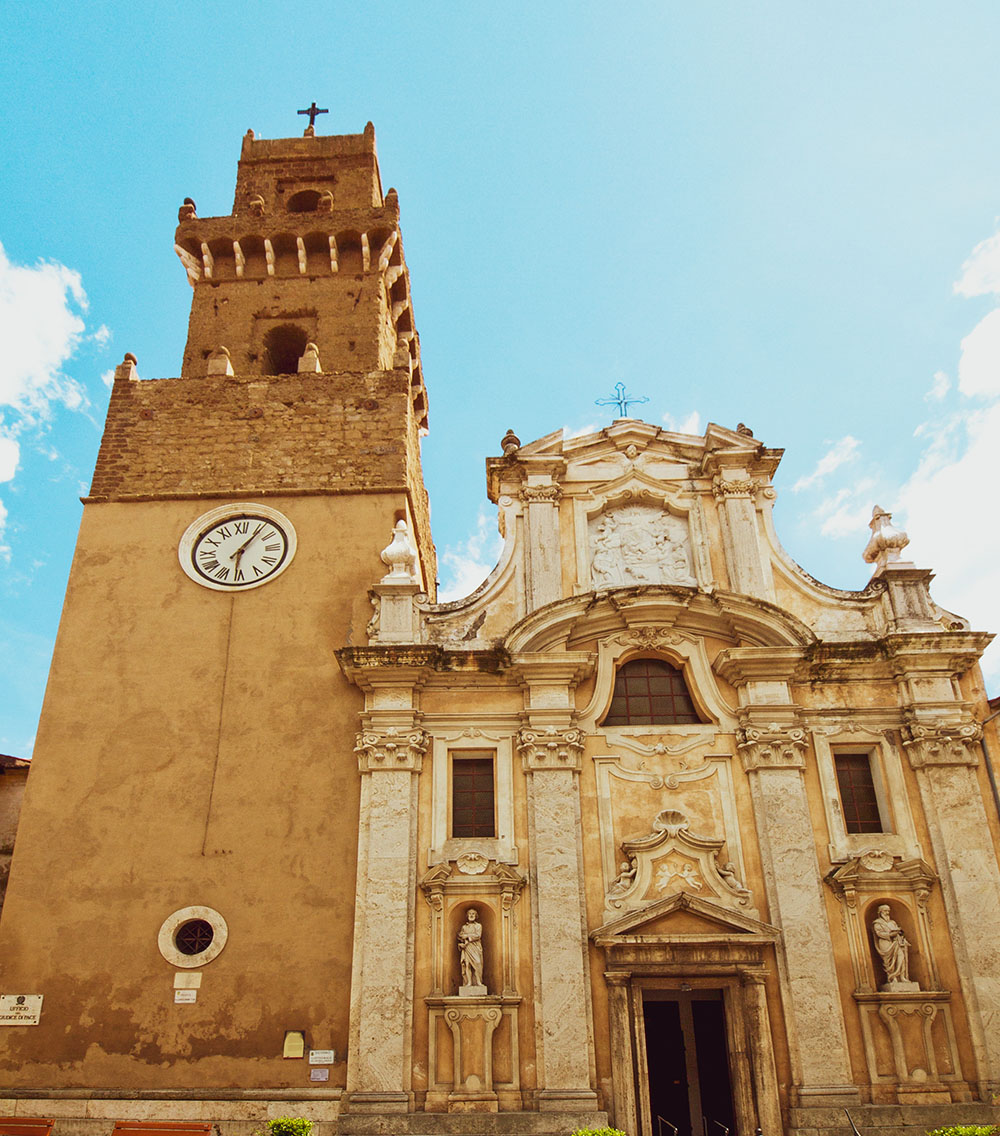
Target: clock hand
246, 544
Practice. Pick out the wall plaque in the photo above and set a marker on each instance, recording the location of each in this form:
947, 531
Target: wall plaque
20, 1009
185, 995
322, 1056
319, 1074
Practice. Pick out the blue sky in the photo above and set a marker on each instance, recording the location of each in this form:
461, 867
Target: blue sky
777, 213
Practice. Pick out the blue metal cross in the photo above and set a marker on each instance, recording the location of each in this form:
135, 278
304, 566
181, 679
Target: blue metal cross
620, 399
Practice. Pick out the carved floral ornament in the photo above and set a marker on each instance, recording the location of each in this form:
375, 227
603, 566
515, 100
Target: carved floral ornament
390, 749
550, 748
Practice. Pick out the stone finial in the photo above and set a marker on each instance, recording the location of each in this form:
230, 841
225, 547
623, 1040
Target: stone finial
309, 362
392, 200
886, 542
744, 429
219, 362
400, 556
510, 443
256, 205
188, 211
126, 368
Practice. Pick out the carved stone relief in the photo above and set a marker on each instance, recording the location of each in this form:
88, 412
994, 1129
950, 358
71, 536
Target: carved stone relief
639, 544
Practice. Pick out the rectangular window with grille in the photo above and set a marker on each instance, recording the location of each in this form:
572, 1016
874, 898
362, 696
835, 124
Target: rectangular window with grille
473, 807
858, 797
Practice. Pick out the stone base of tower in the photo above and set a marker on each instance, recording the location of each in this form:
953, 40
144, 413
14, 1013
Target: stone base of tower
82, 1112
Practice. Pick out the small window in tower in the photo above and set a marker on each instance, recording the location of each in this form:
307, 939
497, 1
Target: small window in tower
194, 936
305, 201
650, 692
859, 797
473, 809
284, 346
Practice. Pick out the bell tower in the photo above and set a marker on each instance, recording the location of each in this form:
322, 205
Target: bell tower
195, 784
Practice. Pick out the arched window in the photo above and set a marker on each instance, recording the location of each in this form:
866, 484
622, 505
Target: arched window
284, 346
305, 201
650, 692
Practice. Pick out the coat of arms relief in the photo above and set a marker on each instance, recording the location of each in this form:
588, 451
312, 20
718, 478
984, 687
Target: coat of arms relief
639, 544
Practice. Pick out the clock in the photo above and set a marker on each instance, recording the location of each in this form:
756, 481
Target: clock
237, 547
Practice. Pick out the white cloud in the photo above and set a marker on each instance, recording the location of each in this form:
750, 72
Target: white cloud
108, 378
839, 453
979, 365
103, 335
689, 425
582, 432
40, 328
981, 272
467, 564
10, 455
939, 388
4, 547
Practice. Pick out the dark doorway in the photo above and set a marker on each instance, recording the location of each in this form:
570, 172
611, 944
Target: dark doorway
687, 1060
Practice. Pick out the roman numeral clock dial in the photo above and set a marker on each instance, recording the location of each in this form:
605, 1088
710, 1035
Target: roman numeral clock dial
237, 547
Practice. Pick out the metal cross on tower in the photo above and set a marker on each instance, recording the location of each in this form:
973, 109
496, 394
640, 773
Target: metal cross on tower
313, 111
620, 399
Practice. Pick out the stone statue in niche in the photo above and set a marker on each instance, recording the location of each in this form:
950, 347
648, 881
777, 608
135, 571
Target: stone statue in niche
893, 950
639, 544
623, 882
470, 949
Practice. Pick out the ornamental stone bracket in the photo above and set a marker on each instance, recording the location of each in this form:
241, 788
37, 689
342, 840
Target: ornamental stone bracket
734, 487
550, 748
534, 494
941, 743
391, 749
771, 746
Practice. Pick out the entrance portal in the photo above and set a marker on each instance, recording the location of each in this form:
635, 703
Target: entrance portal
690, 1093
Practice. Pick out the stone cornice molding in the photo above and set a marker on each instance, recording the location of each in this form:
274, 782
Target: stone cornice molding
391, 750
551, 747
941, 743
775, 745
740, 665
390, 663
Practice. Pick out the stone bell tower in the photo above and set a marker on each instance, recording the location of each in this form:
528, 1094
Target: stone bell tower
194, 784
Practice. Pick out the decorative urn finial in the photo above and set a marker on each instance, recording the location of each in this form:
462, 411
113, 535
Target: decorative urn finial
886, 542
510, 443
400, 556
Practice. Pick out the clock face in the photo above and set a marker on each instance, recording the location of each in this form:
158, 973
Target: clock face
237, 547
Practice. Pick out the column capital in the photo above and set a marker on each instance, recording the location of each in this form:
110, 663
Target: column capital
775, 745
391, 749
935, 742
550, 747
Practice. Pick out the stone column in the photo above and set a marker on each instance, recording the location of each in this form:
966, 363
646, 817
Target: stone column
544, 560
735, 490
622, 1063
773, 756
550, 758
378, 1071
945, 757
765, 1077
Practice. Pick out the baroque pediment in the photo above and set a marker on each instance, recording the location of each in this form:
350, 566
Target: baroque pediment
682, 918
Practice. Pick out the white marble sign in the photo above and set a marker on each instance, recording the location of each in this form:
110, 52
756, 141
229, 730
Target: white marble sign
322, 1056
319, 1074
639, 544
20, 1009
185, 995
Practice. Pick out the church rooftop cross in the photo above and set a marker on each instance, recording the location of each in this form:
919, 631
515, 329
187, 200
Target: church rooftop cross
620, 399
312, 111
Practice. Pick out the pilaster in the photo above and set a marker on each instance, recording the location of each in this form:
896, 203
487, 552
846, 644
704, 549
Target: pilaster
772, 744
945, 755
544, 569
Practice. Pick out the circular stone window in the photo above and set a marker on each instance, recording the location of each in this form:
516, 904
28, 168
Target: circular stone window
192, 936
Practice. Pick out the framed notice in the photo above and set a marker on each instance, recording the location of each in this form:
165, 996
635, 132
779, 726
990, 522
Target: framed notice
319, 1074
322, 1056
20, 1009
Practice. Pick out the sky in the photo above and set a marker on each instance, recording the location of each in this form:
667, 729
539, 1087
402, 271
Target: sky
776, 213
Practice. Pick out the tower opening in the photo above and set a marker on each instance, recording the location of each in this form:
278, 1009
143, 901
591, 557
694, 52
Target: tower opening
305, 201
284, 346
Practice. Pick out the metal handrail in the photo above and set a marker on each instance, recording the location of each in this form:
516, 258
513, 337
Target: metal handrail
706, 1120
660, 1121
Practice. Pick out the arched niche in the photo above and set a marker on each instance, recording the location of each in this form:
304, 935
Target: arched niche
899, 911
284, 345
305, 201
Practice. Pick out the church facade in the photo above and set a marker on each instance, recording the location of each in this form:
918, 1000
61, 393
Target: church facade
652, 828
